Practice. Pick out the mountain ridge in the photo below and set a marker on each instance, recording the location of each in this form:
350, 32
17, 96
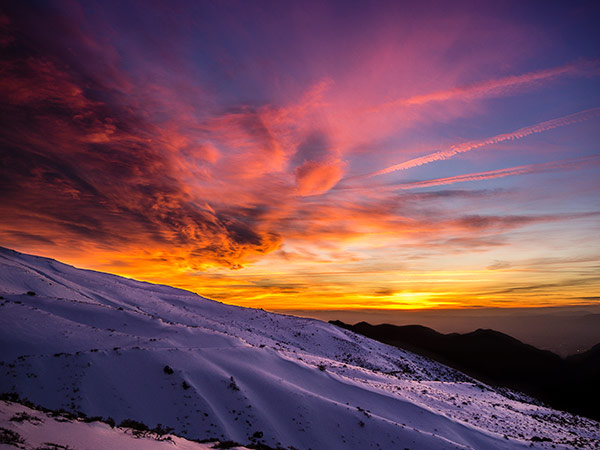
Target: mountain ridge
497, 358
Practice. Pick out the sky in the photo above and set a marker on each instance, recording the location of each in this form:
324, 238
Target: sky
305, 155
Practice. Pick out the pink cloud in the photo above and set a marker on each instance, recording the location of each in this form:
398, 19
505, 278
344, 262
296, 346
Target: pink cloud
567, 164
314, 178
497, 87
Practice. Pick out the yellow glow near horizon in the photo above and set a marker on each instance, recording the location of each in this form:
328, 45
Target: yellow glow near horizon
336, 289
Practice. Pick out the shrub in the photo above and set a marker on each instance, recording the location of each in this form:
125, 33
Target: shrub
10, 437
30, 293
185, 385
263, 446
51, 446
168, 370
92, 419
322, 367
134, 425
226, 444
233, 385
10, 396
24, 417
160, 430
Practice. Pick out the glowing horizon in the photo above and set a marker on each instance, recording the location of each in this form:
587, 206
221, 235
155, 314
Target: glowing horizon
309, 155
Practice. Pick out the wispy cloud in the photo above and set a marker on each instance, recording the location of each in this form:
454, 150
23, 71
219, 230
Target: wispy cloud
565, 164
473, 145
497, 87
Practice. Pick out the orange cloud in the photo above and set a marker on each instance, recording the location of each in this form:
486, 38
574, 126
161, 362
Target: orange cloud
313, 178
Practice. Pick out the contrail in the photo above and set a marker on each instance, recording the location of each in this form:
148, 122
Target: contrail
565, 164
472, 145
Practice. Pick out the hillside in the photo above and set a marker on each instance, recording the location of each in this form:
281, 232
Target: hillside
497, 358
110, 346
31, 429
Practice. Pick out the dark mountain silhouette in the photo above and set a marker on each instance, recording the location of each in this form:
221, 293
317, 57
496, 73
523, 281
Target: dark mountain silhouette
571, 384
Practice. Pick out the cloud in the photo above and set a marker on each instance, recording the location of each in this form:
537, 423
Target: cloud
384, 292
555, 166
317, 165
592, 280
313, 178
498, 87
100, 172
500, 223
250, 147
473, 145
499, 265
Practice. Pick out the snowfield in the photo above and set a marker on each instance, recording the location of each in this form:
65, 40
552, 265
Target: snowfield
98, 343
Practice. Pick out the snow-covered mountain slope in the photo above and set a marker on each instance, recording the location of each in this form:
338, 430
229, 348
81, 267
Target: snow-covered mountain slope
29, 429
98, 343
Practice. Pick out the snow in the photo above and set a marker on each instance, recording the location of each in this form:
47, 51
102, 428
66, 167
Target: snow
41, 430
98, 343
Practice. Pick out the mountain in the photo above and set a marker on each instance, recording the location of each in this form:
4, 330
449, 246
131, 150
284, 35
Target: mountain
496, 358
104, 345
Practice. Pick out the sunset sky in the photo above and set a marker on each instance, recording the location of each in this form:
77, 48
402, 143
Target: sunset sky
309, 155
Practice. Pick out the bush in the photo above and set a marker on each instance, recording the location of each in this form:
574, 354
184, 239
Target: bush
226, 444
160, 430
10, 437
134, 425
92, 419
51, 446
263, 446
185, 385
30, 293
24, 417
233, 385
168, 370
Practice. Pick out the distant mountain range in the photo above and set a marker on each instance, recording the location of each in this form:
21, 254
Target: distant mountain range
571, 384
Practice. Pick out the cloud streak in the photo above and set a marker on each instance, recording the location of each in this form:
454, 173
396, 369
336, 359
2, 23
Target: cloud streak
498, 87
474, 145
566, 164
